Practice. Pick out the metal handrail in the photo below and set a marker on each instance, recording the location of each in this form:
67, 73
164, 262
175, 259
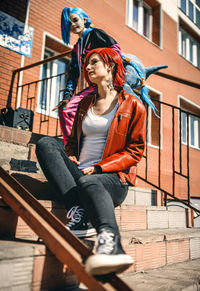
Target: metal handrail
169, 194
174, 106
42, 80
174, 171
178, 79
42, 62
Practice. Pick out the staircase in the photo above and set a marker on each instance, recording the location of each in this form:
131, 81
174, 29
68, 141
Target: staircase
154, 235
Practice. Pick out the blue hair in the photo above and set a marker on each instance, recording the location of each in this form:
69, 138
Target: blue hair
65, 21
144, 89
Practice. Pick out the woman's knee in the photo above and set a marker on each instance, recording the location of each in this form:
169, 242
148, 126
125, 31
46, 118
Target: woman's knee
45, 143
87, 180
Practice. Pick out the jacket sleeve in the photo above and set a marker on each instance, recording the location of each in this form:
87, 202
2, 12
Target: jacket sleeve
73, 75
134, 146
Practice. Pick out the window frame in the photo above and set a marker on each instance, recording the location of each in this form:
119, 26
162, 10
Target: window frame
150, 113
187, 12
183, 34
48, 71
50, 101
196, 144
140, 26
197, 124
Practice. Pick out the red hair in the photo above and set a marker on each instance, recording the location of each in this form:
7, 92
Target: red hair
108, 56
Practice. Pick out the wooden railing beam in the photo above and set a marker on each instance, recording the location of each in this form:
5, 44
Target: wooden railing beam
63, 244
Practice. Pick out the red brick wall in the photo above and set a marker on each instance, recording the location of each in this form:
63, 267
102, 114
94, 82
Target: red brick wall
10, 60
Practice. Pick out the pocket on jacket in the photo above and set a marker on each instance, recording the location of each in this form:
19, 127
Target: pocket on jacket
123, 122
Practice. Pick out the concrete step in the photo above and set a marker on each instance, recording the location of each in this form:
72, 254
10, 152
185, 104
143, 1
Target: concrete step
147, 213
31, 266
13, 139
19, 157
37, 184
18, 136
184, 276
16, 228
153, 249
150, 248
17, 152
129, 217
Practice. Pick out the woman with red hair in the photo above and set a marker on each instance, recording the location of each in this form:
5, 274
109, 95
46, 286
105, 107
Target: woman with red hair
110, 58
100, 159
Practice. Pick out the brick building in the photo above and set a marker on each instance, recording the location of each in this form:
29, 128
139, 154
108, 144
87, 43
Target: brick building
158, 32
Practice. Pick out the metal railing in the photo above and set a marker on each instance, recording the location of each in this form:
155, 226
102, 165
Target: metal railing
163, 175
37, 95
169, 155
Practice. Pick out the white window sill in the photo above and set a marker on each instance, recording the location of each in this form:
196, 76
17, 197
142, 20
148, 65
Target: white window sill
189, 61
191, 146
46, 112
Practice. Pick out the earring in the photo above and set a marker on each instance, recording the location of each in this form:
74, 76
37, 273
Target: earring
112, 65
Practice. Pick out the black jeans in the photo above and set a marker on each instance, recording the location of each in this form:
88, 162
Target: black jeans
98, 194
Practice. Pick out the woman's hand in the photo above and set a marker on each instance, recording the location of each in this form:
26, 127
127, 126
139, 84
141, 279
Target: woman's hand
62, 103
89, 171
74, 160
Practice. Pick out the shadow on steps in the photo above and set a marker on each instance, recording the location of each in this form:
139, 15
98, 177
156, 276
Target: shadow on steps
37, 186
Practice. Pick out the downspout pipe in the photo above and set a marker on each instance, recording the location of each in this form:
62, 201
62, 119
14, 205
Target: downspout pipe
19, 94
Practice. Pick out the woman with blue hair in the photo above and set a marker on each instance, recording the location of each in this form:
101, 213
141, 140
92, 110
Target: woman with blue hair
75, 20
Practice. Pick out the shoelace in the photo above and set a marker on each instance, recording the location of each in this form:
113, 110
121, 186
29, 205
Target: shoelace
105, 242
75, 214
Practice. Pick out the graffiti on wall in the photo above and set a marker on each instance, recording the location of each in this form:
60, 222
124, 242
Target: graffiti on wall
14, 36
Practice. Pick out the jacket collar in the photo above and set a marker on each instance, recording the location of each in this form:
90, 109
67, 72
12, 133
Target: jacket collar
92, 98
123, 96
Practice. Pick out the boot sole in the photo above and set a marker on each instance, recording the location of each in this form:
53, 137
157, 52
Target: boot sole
84, 233
105, 264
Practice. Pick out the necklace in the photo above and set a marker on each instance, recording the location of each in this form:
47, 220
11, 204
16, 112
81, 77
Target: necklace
104, 107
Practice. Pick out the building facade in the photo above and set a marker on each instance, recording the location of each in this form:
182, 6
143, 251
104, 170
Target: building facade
158, 32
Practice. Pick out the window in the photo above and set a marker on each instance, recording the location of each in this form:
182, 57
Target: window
144, 18
53, 83
184, 127
154, 125
194, 130
190, 123
182, 5
189, 48
139, 17
53, 76
191, 8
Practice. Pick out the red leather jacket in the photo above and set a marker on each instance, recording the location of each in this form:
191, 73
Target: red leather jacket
126, 137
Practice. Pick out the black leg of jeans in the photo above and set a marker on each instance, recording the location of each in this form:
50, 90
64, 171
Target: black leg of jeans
100, 194
61, 172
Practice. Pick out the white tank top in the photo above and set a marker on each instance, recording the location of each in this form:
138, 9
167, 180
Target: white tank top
95, 130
